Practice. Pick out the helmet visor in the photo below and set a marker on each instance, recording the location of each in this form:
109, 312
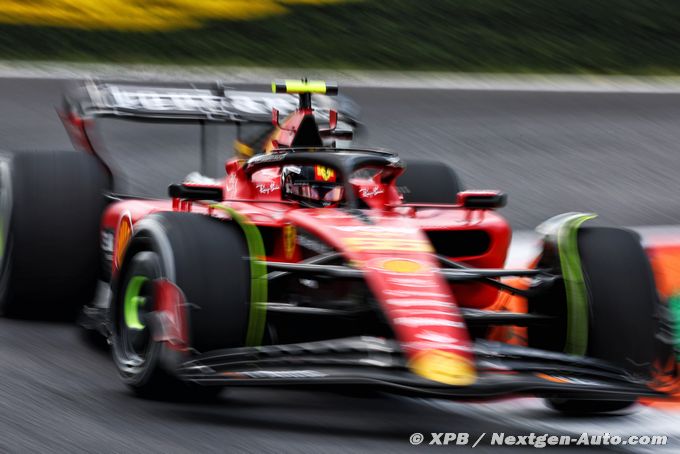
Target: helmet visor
317, 191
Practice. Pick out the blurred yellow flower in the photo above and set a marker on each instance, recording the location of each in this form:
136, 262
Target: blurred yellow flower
138, 15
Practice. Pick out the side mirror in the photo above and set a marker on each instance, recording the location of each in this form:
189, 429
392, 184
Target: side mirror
195, 192
275, 117
332, 120
485, 200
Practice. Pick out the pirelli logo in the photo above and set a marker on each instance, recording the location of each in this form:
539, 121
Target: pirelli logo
388, 244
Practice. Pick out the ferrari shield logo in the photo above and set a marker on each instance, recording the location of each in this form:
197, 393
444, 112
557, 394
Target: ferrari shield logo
324, 173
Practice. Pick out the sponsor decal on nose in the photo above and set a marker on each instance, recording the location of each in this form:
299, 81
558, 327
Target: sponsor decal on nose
444, 367
402, 266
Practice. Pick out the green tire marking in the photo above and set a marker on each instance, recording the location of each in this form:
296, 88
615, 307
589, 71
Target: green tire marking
674, 306
132, 302
258, 280
575, 286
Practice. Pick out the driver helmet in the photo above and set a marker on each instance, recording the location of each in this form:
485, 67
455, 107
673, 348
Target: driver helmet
313, 186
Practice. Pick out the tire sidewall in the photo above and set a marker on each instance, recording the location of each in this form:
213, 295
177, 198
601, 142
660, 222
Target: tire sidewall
151, 239
146, 264
6, 206
206, 259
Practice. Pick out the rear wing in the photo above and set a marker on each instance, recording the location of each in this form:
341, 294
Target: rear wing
207, 106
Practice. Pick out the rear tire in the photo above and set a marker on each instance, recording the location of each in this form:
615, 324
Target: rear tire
51, 204
623, 309
429, 182
206, 259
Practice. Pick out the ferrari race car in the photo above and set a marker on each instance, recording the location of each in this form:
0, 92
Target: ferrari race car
316, 264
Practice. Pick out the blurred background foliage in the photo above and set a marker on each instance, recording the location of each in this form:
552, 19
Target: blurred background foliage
577, 36
138, 15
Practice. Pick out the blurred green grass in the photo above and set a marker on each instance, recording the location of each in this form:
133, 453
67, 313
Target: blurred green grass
538, 36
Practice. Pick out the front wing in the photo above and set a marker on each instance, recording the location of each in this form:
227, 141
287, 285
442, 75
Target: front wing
502, 370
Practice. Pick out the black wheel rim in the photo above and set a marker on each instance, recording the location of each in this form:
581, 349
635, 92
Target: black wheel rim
134, 347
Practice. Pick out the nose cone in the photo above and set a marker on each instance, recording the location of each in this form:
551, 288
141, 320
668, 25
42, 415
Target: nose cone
444, 367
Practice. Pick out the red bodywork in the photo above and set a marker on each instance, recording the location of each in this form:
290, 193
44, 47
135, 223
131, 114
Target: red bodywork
393, 244
394, 250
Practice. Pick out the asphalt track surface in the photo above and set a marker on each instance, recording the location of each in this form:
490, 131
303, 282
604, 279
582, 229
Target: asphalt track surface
615, 154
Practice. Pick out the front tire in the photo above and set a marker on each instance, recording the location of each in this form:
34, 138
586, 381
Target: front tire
623, 306
207, 260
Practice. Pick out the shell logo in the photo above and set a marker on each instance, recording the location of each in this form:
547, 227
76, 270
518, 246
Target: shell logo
402, 266
444, 367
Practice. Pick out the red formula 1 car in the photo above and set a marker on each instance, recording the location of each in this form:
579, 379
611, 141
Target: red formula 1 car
319, 265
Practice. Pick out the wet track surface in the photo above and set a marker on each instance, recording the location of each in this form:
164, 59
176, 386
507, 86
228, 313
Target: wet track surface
613, 154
